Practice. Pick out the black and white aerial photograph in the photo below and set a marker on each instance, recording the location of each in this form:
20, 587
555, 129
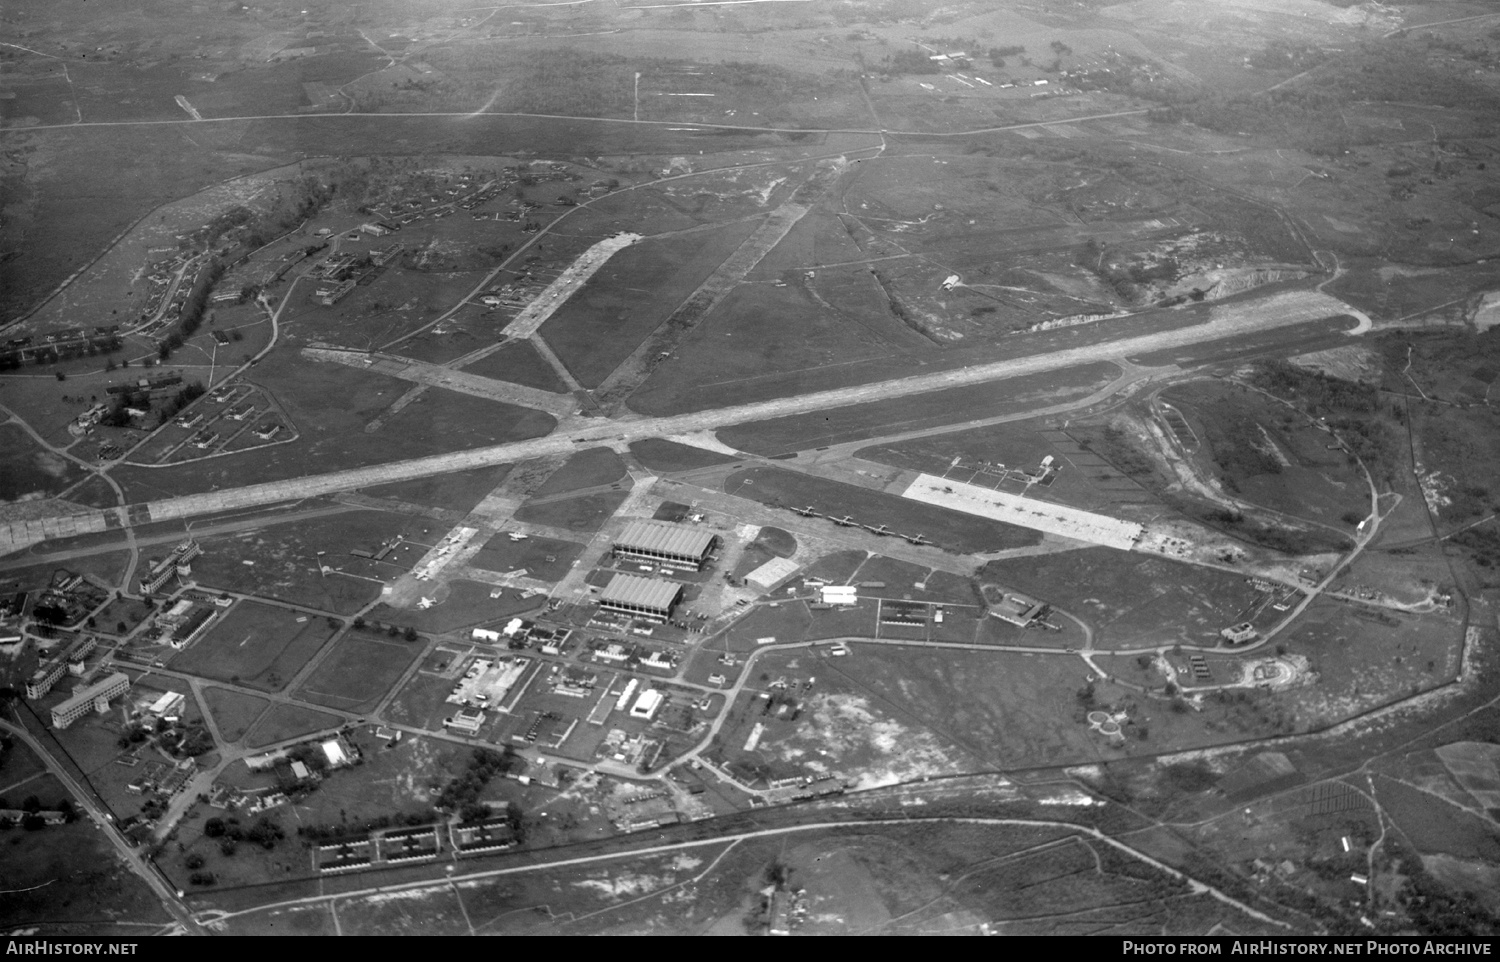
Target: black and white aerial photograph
751, 468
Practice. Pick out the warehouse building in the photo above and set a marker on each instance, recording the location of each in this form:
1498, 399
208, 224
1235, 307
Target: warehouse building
664, 543
641, 597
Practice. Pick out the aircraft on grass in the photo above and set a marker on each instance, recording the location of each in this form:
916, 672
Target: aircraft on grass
916, 538
806, 512
847, 521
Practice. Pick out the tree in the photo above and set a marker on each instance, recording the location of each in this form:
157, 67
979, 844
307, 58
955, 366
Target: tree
410, 634
193, 861
214, 827
31, 805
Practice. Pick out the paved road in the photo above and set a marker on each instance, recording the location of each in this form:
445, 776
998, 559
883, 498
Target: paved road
158, 885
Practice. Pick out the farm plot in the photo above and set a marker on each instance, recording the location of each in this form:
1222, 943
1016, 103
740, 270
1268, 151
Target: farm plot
950, 529
257, 645
358, 672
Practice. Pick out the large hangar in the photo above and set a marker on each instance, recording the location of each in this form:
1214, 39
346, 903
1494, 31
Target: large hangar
641, 597
661, 542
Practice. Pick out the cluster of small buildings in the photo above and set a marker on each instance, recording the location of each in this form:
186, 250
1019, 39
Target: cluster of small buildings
166, 313
72, 594
56, 345
519, 633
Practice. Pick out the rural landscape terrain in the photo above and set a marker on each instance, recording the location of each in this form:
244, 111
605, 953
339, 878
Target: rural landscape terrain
848, 467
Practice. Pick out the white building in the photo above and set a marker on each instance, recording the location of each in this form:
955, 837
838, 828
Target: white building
646, 706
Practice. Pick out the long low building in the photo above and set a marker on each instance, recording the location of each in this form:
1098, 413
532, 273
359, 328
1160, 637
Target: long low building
1044, 516
95, 697
643, 597
665, 543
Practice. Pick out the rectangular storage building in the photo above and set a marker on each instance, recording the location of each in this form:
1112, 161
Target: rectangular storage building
665, 543
644, 597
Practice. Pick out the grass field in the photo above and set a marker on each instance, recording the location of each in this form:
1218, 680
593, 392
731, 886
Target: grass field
585, 514
950, 529
502, 554
1268, 454
233, 712
519, 363
358, 672
458, 491
460, 604
877, 418
285, 559
289, 721
256, 645
631, 295
332, 405
27, 471
586, 469
1129, 599
68, 879
659, 454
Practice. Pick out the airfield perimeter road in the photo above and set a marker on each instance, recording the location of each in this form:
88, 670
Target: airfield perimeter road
1226, 320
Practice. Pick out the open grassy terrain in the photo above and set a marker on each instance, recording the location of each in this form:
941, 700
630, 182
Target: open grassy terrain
1130, 599
285, 564
256, 645
633, 294
659, 454
67, 878
951, 529
27, 471
283, 722
801, 432
585, 514
460, 604
358, 672
519, 363
543, 558
586, 469
332, 405
233, 712
458, 491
